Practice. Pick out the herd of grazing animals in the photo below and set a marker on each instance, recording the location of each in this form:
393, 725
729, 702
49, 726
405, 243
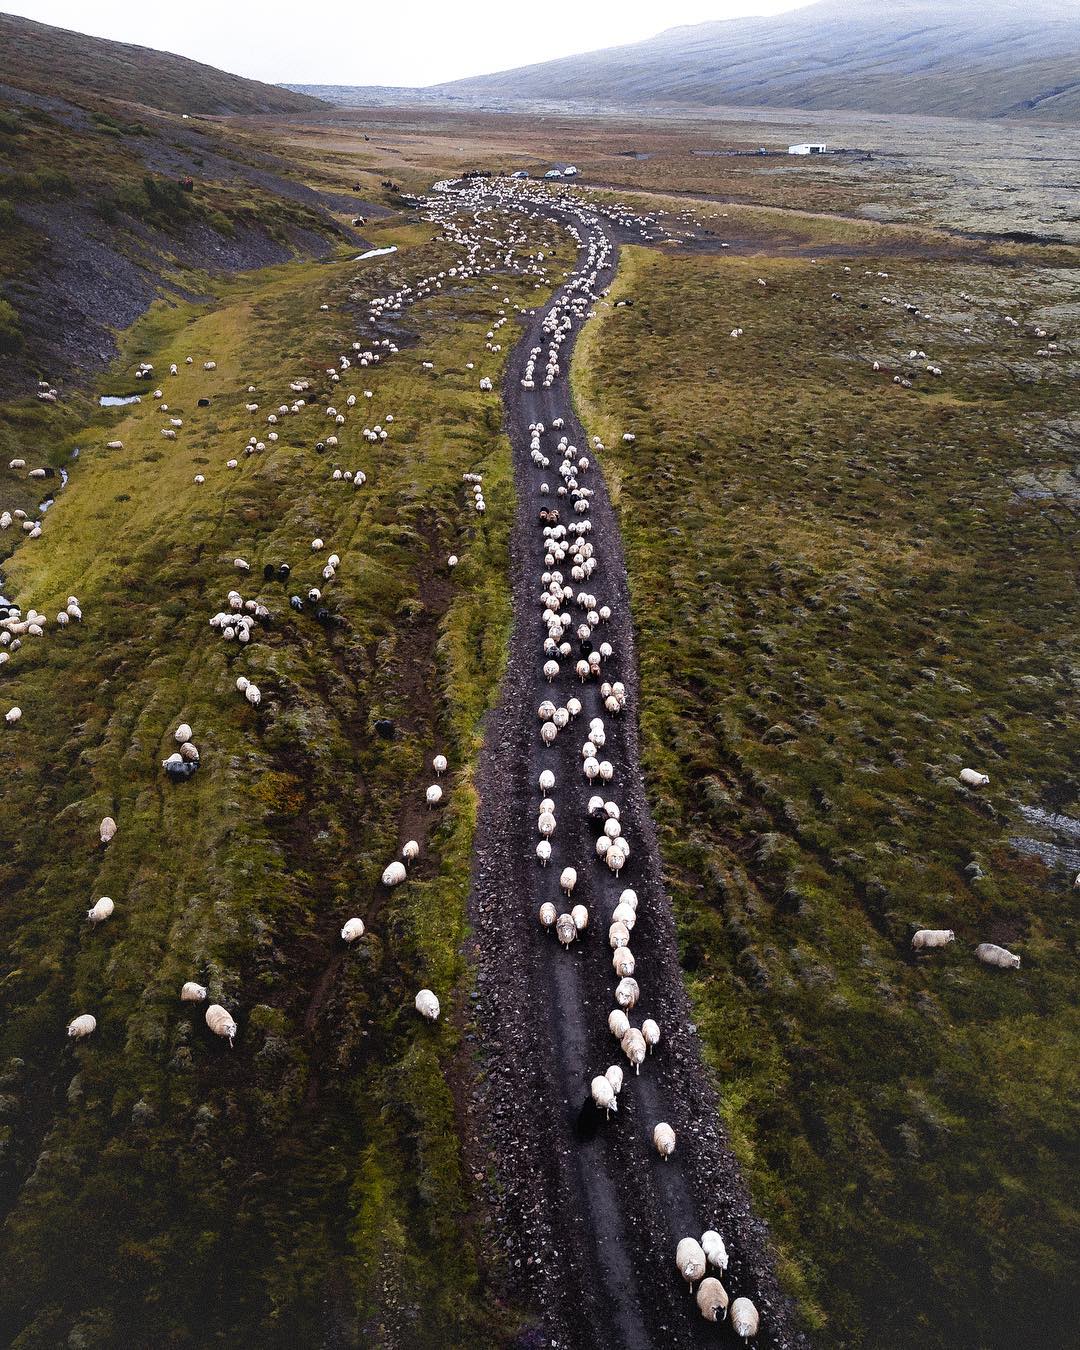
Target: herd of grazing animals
575, 652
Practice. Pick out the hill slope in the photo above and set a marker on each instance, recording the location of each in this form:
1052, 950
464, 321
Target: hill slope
947, 58
56, 60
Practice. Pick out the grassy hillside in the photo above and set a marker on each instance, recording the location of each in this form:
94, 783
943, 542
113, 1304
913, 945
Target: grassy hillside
95, 222
941, 57
846, 591
308, 1186
57, 61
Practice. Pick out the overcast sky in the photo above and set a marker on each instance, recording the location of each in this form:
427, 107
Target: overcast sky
380, 41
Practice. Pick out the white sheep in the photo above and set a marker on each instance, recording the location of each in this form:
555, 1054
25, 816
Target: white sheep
566, 929
543, 852
353, 929
663, 1137
107, 829
193, 993
614, 1074
712, 1299
183, 732
439, 764
568, 880
633, 1047
410, 850
972, 778
220, 1023
690, 1260
627, 993
101, 911
434, 795
744, 1318
12, 716
603, 1094
990, 954
548, 915
84, 1025
427, 1005
712, 1244
394, 874
623, 962
651, 1031
928, 938
618, 1023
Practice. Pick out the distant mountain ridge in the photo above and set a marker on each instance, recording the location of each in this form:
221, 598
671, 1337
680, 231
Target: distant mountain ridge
952, 58
52, 60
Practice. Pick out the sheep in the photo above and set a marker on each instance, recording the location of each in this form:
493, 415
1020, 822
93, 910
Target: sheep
183, 732
690, 1260
618, 1023
568, 880
83, 1025
192, 992
972, 778
546, 824
434, 795
603, 1094
107, 829
744, 1318
990, 954
394, 874
353, 929
565, 929
580, 916
101, 911
548, 915
622, 961
614, 1074
410, 850
633, 1047
712, 1299
927, 938
618, 935
651, 1031
627, 993
220, 1023
712, 1244
546, 781
253, 695
663, 1138
439, 764
427, 1005
12, 716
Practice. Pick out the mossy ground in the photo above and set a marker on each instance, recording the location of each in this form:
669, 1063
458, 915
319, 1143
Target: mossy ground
309, 1184
844, 595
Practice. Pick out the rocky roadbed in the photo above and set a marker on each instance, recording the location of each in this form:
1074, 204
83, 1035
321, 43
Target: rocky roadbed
586, 1215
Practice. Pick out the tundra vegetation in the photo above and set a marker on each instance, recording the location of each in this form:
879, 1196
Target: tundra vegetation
847, 590
312, 1180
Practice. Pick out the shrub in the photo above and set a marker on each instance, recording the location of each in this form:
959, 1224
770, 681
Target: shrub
11, 338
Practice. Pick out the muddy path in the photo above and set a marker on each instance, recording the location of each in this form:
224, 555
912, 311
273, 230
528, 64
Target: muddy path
587, 1215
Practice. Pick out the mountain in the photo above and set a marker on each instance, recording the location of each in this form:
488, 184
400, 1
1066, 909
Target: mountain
51, 60
953, 58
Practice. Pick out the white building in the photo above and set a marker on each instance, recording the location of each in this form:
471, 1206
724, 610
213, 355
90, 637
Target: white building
811, 148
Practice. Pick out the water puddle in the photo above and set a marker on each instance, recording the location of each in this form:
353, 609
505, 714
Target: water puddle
111, 401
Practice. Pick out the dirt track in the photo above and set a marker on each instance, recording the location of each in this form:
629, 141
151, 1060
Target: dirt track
588, 1213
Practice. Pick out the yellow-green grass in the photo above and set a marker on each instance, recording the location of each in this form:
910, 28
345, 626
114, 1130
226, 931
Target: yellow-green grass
309, 1182
842, 598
